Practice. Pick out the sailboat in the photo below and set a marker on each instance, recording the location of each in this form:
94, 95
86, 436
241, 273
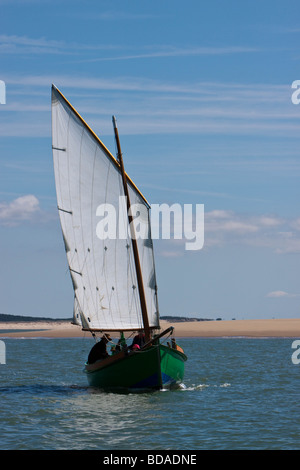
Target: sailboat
113, 277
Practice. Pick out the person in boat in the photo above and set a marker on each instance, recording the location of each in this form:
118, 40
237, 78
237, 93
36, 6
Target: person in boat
139, 339
99, 350
175, 345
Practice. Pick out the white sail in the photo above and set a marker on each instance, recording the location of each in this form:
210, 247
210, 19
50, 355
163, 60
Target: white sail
102, 270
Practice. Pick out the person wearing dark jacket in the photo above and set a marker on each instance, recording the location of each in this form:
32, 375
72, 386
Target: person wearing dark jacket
139, 339
99, 350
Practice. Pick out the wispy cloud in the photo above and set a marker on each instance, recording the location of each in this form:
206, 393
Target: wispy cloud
114, 15
280, 235
172, 106
193, 91
280, 294
13, 44
171, 51
224, 228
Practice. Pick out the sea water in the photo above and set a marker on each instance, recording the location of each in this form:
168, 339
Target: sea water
237, 394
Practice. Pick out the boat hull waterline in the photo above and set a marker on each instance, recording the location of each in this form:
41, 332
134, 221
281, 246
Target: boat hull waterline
156, 367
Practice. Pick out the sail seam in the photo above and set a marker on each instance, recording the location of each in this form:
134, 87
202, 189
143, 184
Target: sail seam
109, 294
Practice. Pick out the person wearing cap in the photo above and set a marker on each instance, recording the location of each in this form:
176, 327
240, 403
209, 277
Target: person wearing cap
99, 350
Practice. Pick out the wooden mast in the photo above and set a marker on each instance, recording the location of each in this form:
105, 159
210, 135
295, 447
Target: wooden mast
133, 239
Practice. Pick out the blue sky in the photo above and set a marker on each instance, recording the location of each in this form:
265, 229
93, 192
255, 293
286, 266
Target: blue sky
202, 94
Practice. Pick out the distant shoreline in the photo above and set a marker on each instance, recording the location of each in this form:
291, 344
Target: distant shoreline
277, 328
7, 318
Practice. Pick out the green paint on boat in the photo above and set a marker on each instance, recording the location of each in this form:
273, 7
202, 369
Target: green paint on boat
153, 368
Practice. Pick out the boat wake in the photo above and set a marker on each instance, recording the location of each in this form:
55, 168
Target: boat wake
200, 387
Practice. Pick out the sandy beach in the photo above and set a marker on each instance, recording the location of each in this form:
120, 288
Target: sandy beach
289, 328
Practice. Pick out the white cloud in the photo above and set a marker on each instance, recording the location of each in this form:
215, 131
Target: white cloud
280, 294
227, 227
223, 222
296, 224
288, 245
20, 209
268, 221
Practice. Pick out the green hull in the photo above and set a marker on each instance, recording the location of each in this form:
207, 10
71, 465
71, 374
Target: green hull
153, 368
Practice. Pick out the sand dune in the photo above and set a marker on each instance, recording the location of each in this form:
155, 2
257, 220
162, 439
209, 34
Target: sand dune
231, 328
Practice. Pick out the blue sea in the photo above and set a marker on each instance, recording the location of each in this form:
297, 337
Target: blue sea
237, 394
